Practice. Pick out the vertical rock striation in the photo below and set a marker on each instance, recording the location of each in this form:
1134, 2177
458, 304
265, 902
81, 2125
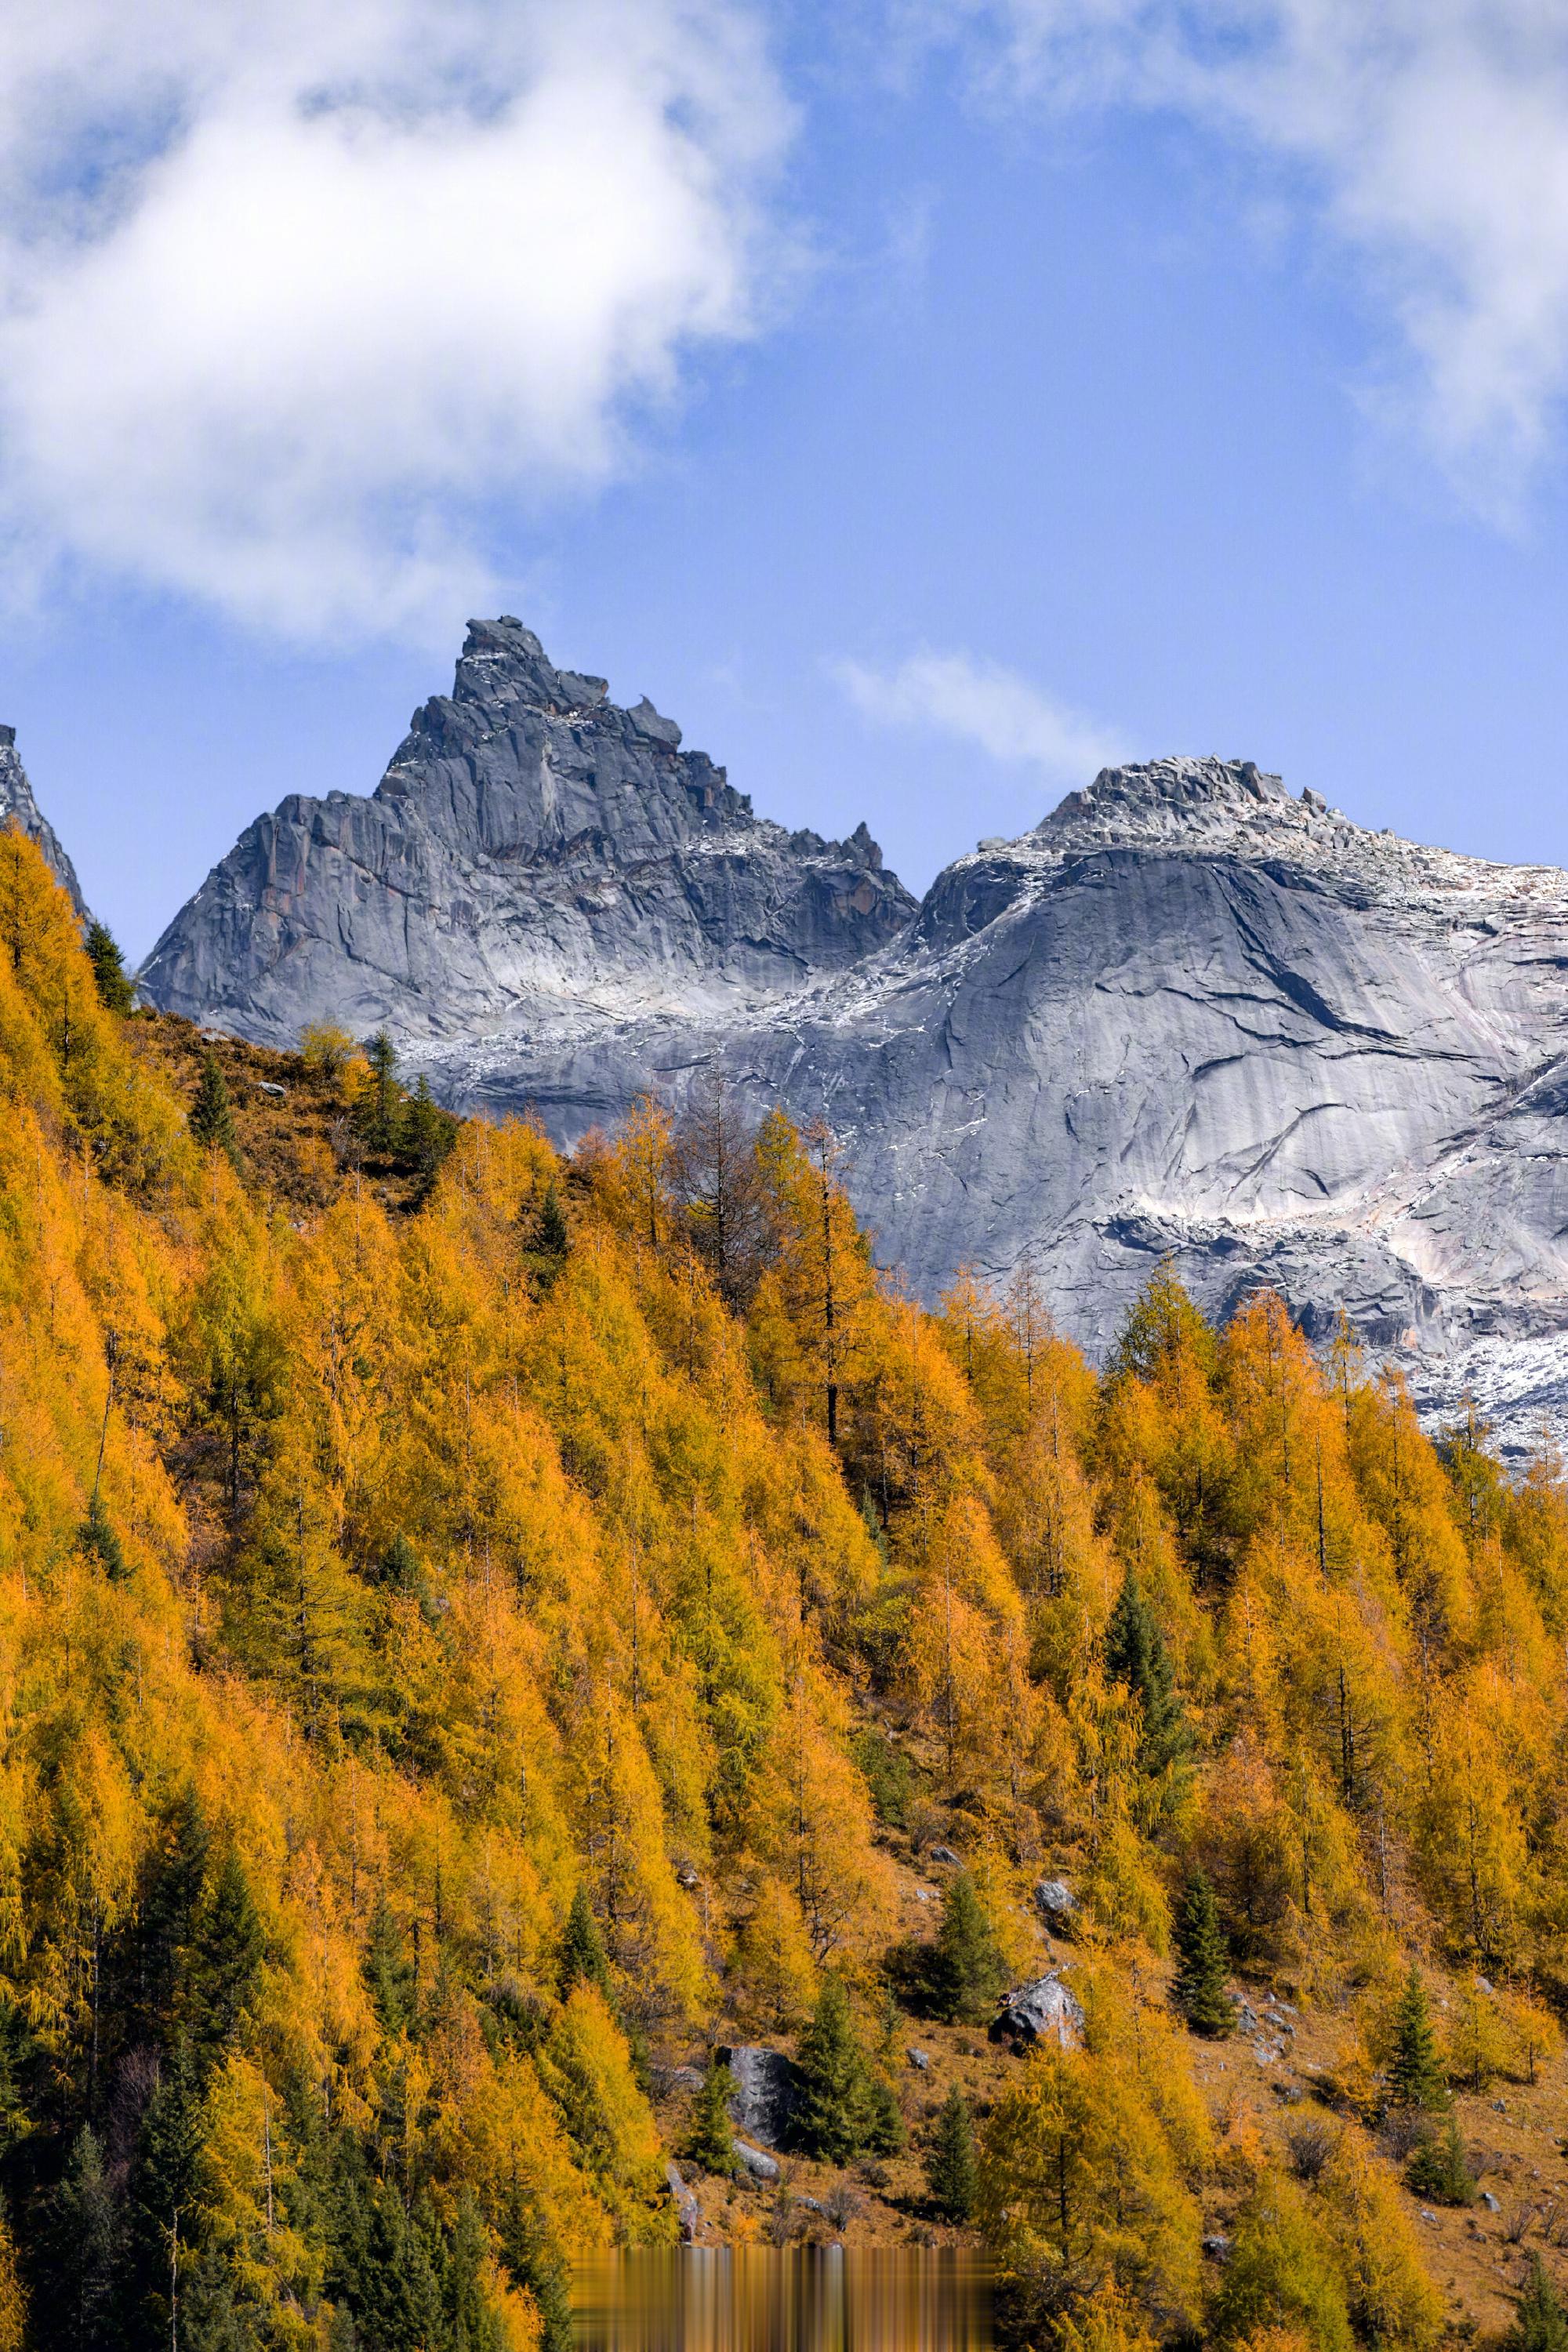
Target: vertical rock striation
17, 807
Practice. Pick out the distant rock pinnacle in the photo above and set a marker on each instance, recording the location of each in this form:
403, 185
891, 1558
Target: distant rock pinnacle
17, 807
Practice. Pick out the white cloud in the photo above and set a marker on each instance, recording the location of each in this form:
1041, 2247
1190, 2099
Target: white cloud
1431, 136
981, 703
289, 294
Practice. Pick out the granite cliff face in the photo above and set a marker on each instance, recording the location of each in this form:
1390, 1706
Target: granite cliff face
1186, 1014
539, 868
1189, 1015
17, 807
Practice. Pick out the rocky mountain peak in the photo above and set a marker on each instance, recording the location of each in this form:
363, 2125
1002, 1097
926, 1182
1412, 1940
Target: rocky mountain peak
1188, 803
536, 855
17, 807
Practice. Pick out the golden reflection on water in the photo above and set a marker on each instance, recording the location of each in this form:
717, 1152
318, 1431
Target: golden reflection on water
790, 2299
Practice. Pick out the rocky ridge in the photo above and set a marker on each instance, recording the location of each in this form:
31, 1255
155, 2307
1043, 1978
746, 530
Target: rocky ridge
1187, 1014
17, 807
538, 867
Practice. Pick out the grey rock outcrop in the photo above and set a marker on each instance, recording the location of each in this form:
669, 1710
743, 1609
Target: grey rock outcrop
1187, 1015
1041, 2010
539, 870
767, 2094
17, 807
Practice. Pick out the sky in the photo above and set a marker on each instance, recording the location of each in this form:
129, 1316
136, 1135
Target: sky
925, 402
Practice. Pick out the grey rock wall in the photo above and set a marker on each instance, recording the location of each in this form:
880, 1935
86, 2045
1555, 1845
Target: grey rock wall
17, 807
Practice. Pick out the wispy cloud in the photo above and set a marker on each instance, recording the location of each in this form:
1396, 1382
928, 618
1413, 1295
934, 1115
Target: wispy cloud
1003, 715
291, 295
1428, 137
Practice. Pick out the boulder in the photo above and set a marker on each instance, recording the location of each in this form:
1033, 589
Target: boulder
760, 2167
1042, 2011
689, 2213
944, 1853
767, 2091
1056, 1902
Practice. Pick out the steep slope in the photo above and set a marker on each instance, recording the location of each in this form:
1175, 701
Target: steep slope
537, 863
17, 807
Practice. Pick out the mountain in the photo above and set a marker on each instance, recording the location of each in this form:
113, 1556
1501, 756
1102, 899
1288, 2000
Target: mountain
1188, 1014
18, 805
539, 869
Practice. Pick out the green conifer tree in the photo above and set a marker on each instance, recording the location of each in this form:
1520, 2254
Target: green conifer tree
211, 1119
379, 1113
583, 1957
1202, 1960
1135, 1657
966, 1972
471, 2325
554, 1238
710, 2142
1439, 2169
1415, 2074
224, 1967
388, 1978
162, 2209
837, 2117
173, 1892
535, 2261
115, 992
99, 1539
950, 2171
426, 1134
1540, 2322
85, 2239
885, 2132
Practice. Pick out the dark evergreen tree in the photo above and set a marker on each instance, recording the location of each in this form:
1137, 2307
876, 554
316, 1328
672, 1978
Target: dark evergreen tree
472, 2324
387, 1974
211, 1119
950, 2171
114, 989
837, 2118
379, 1115
1136, 1657
710, 2142
583, 1957
98, 1539
885, 2132
554, 1239
1202, 1960
1416, 2077
391, 2278
161, 2213
1438, 2168
426, 1134
223, 1969
966, 1970
173, 1893
1540, 2322
536, 2263
85, 2243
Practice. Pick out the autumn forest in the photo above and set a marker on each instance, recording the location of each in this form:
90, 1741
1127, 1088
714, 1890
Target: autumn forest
482, 1630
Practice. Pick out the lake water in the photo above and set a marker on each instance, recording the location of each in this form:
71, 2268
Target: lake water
793, 2299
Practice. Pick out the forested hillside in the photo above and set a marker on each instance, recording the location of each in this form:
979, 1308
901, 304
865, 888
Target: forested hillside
479, 1631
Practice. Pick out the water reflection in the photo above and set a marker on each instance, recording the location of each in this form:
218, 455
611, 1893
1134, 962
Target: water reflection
793, 2299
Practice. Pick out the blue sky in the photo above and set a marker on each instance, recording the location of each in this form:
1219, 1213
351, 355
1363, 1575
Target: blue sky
997, 394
